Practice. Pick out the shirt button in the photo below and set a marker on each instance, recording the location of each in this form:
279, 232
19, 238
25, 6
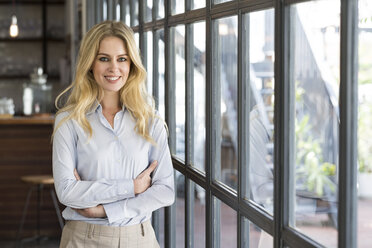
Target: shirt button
125, 191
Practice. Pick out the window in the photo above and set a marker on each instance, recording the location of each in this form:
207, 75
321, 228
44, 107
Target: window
315, 84
261, 102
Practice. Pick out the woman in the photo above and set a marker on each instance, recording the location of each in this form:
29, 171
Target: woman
111, 162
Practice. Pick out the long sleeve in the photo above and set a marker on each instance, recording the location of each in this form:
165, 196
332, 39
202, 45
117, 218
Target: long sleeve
160, 194
81, 194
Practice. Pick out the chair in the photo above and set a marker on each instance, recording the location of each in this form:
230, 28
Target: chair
37, 182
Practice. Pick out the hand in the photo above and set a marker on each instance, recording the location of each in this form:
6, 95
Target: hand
77, 175
94, 212
143, 181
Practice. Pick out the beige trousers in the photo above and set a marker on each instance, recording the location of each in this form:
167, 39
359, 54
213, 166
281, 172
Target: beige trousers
79, 234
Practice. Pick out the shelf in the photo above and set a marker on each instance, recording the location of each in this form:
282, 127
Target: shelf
14, 77
30, 39
2, 77
31, 2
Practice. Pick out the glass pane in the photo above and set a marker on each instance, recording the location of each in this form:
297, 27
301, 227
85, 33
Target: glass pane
260, 74
199, 94
178, 34
161, 69
136, 38
180, 210
104, 8
161, 9
199, 216
227, 227
315, 40
255, 236
148, 11
117, 10
134, 12
365, 125
221, 1
197, 4
225, 73
149, 61
126, 14
178, 6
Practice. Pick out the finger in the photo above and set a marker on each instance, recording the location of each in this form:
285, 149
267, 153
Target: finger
77, 175
152, 167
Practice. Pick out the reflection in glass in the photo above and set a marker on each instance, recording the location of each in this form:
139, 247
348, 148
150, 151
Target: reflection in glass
161, 70
199, 94
178, 6
149, 60
180, 210
199, 218
225, 59
178, 34
315, 54
261, 106
365, 125
227, 225
257, 237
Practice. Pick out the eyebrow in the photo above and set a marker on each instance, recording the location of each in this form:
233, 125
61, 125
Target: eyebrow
109, 55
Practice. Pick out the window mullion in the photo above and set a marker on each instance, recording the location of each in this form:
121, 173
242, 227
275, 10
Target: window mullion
243, 126
170, 212
283, 117
347, 212
189, 136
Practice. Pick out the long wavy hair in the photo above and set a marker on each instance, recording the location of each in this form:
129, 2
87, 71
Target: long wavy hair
85, 91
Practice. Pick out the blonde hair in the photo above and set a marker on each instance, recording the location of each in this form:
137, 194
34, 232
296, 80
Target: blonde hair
85, 90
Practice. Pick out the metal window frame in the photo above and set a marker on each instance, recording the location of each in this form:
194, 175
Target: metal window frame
278, 224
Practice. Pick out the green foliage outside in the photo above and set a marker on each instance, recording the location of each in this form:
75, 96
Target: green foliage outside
311, 169
365, 104
365, 137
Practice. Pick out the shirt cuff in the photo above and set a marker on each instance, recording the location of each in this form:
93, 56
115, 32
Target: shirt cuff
125, 188
114, 212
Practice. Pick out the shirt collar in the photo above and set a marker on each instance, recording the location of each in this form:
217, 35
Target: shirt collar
94, 107
97, 106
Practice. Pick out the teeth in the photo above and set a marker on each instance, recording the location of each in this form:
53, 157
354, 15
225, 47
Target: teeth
112, 78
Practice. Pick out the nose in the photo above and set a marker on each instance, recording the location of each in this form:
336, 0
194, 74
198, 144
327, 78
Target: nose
114, 66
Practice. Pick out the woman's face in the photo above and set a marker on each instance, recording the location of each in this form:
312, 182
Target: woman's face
112, 64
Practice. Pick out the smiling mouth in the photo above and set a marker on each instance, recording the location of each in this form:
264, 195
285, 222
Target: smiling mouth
112, 79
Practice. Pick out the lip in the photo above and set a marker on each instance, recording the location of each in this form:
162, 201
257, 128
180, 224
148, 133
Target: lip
112, 79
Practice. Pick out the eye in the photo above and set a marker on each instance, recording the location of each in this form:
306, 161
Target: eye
122, 59
103, 59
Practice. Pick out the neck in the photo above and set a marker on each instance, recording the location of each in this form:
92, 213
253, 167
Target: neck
111, 102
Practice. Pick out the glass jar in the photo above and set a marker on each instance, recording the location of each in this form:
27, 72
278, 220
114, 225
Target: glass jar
37, 95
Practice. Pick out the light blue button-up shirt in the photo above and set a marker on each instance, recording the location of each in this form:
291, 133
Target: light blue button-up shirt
107, 164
